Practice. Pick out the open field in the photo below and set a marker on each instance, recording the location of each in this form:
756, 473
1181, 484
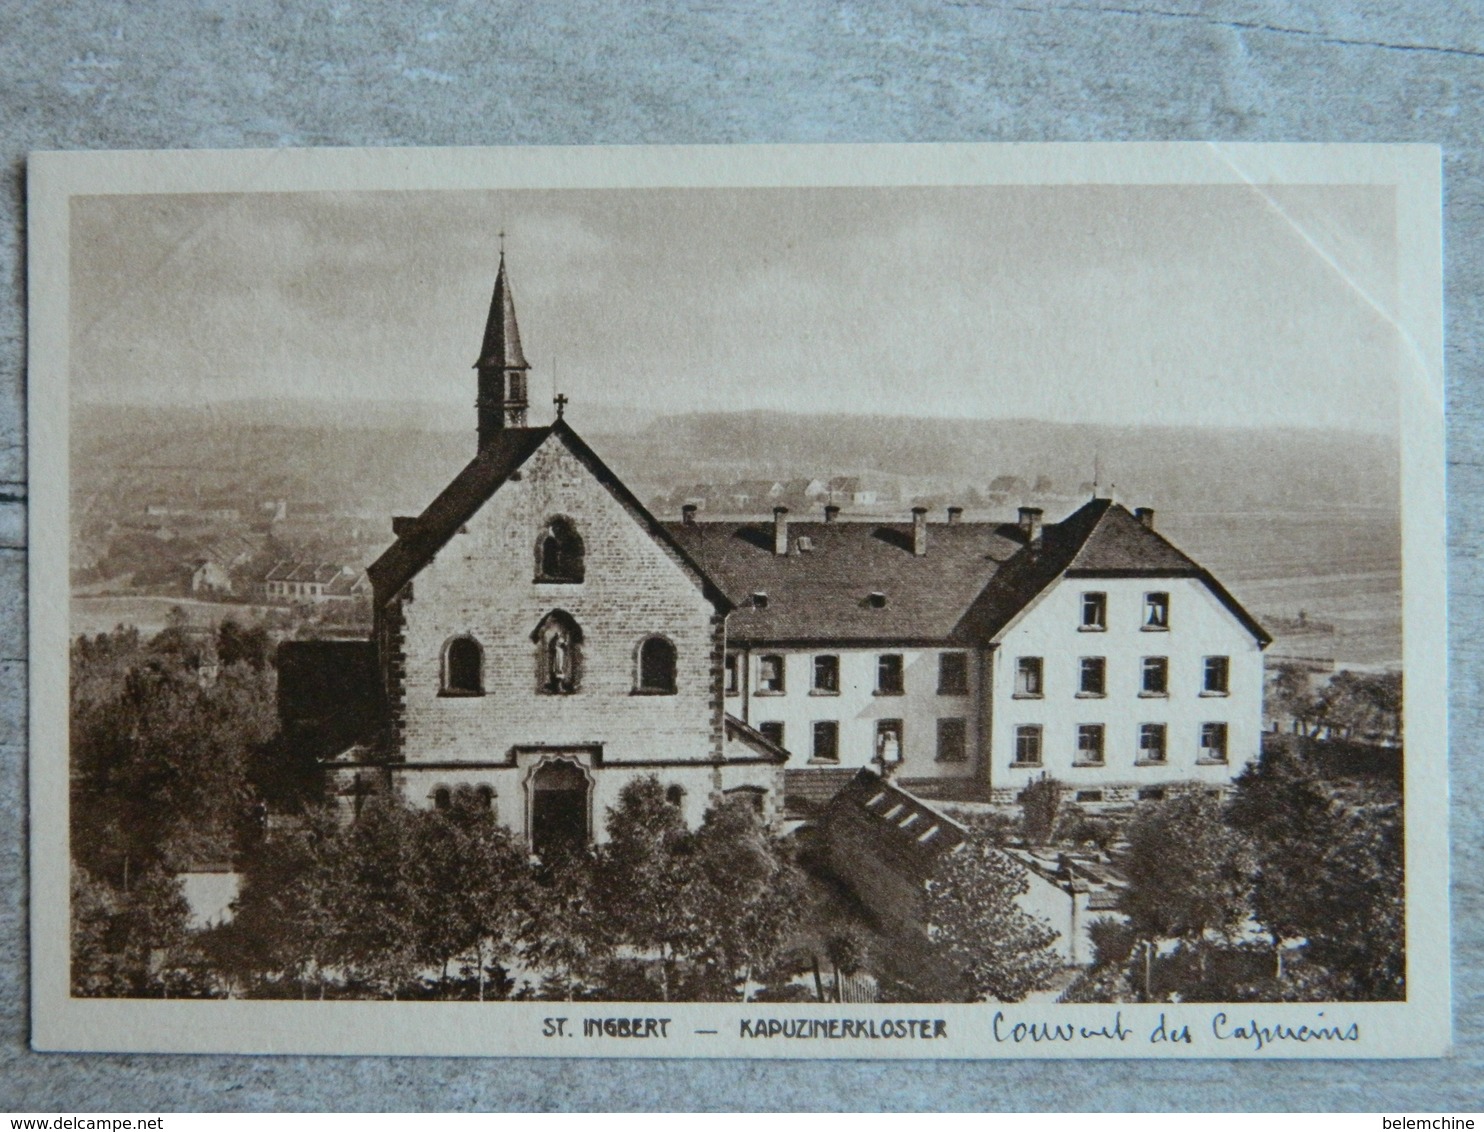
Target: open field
101, 614
1342, 568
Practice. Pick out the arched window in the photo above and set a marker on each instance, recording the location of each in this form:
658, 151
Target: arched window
558, 654
559, 552
484, 797
442, 799
657, 666
675, 795
463, 667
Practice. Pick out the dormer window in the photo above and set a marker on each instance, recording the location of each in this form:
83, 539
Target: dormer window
759, 600
559, 552
876, 599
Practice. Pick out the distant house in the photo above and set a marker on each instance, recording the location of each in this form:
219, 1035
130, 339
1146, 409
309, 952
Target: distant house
316, 582
209, 576
850, 489
805, 490
754, 494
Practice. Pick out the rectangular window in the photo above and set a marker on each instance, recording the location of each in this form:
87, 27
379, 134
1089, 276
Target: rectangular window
1213, 742
1151, 742
826, 741
827, 675
770, 675
732, 684
1093, 676
1156, 611
1217, 676
1028, 745
1156, 676
953, 674
1028, 676
1089, 796
1090, 744
953, 740
772, 731
888, 741
889, 675
1151, 794
1094, 611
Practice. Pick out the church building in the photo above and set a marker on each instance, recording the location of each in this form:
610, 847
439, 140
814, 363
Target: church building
541, 640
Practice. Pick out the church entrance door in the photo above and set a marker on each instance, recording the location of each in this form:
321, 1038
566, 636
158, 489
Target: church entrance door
559, 807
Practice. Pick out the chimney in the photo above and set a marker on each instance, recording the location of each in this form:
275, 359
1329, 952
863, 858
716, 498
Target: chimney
955, 514
919, 531
1145, 515
831, 512
1030, 523
780, 530
688, 514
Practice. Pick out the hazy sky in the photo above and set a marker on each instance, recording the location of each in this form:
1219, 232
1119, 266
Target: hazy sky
1210, 305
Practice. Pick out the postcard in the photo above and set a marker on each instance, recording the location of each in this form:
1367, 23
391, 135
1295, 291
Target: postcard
944, 601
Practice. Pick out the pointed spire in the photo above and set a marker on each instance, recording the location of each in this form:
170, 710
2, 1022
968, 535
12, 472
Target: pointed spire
502, 365
501, 349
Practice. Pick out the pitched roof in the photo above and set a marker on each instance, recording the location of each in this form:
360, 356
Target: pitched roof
746, 733
481, 478
825, 592
501, 348
289, 570
973, 580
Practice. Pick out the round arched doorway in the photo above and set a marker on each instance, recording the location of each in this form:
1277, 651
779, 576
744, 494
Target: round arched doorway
559, 807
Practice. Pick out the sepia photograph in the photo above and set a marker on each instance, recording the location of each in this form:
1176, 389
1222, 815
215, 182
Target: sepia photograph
850, 601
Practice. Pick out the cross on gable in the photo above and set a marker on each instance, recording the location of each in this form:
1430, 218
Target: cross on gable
560, 401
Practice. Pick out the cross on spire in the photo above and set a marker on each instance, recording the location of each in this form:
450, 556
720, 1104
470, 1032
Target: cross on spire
560, 401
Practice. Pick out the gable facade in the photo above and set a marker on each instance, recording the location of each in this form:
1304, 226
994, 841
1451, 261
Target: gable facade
1119, 687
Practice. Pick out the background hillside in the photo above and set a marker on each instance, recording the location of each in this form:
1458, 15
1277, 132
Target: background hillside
379, 459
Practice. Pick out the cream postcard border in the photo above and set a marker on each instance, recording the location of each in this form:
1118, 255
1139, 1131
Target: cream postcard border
1420, 1027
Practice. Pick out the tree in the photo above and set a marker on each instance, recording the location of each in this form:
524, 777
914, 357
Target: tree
288, 911
130, 945
972, 917
648, 875
1189, 873
1291, 694
1287, 811
238, 645
1362, 705
159, 761
566, 929
749, 892
476, 887
1040, 802
1328, 872
378, 878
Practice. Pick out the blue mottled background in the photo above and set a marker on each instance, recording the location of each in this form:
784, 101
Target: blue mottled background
109, 76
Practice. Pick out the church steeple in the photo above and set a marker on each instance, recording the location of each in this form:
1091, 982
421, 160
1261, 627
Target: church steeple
502, 366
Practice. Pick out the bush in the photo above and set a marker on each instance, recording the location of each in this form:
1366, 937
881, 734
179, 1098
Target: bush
1112, 941
1040, 803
